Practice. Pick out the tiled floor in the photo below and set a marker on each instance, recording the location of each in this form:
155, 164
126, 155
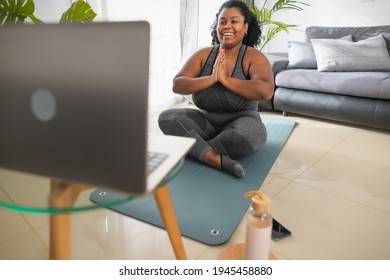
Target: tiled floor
330, 186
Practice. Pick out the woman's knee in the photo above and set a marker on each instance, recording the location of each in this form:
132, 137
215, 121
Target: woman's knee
238, 144
168, 118
170, 114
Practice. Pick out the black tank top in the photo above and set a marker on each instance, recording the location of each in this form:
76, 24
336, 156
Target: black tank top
217, 98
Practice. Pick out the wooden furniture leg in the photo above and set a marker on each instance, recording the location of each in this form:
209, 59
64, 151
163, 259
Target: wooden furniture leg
168, 215
60, 237
62, 195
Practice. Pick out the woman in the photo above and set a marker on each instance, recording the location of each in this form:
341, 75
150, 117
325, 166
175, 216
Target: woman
226, 79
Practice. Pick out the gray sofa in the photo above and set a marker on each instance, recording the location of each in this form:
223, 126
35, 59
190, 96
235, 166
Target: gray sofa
355, 91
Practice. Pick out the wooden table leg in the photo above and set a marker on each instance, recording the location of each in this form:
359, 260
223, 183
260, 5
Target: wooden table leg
168, 215
62, 195
60, 237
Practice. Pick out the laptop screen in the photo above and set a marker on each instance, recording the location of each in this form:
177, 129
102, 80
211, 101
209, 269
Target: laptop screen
73, 101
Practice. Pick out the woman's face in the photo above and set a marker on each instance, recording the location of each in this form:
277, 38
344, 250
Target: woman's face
231, 28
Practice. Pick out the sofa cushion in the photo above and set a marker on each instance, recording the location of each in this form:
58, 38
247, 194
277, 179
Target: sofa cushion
358, 33
363, 84
387, 39
301, 54
277, 62
366, 55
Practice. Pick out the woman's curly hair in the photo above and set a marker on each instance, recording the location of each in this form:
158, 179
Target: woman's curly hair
253, 36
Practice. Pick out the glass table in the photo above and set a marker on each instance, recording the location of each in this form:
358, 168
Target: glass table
37, 194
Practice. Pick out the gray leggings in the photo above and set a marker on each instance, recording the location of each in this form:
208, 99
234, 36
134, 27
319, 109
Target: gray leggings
234, 134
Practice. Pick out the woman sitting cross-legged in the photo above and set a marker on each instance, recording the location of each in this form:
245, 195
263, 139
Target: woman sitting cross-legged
226, 81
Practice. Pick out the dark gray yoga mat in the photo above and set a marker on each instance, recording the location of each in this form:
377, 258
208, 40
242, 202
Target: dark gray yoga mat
208, 203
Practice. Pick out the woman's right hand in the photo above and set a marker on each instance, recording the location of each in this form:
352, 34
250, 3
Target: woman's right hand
188, 81
220, 57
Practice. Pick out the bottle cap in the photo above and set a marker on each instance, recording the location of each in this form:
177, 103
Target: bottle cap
260, 202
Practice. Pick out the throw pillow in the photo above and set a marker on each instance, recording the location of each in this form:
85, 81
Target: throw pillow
365, 55
387, 39
301, 55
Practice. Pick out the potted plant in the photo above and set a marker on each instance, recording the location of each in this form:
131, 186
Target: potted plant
265, 14
21, 11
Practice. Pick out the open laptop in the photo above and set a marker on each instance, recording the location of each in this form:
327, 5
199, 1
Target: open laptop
74, 105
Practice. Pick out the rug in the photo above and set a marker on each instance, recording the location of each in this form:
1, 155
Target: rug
208, 203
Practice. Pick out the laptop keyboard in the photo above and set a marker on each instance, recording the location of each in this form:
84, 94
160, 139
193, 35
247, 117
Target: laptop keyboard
154, 160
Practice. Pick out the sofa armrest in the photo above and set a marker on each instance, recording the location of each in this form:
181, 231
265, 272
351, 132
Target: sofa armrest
278, 62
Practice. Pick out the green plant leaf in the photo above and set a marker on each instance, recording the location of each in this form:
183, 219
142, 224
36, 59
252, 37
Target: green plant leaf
288, 5
264, 16
80, 11
16, 11
280, 26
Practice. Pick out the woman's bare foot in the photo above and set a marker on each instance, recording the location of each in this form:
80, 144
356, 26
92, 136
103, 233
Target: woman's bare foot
213, 159
224, 163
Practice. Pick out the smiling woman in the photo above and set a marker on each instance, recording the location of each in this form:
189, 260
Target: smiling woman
231, 28
226, 81
228, 18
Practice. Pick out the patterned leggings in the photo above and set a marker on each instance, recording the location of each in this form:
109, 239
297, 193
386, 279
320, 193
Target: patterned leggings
235, 134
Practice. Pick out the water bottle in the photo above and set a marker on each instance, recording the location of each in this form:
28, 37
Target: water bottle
259, 227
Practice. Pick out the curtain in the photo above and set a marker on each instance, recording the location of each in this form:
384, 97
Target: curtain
165, 45
189, 15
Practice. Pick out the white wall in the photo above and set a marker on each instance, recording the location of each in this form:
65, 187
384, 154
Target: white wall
330, 13
50, 11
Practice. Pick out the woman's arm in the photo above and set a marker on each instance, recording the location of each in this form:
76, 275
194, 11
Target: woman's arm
187, 80
260, 85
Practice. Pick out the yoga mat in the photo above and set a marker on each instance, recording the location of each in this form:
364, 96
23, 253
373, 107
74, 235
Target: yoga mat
208, 203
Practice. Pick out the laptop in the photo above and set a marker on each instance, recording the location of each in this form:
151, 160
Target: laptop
74, 105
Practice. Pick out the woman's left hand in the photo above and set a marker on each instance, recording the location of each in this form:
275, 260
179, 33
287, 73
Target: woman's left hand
260, 82
223, 71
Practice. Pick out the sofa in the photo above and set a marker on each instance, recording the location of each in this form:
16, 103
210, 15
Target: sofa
337, 73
